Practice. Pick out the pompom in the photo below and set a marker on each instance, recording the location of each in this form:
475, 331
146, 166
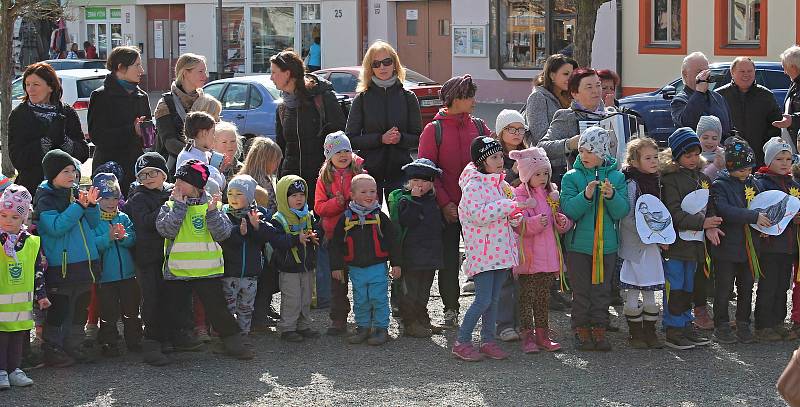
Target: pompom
555, 195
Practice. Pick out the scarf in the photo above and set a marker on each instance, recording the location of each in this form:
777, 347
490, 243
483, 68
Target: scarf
290, 100
647, 183
45, 112
363, 211
108, 215
384, 83
129, 87
600, 109
236, 213
10, 241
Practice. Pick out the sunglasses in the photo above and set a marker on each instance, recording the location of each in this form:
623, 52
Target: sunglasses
385, 62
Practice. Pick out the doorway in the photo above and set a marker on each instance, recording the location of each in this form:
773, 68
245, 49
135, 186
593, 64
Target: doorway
422, 27
166, 41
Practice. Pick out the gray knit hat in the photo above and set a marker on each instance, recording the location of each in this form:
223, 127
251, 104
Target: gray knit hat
334, 143
707, 123
246, 185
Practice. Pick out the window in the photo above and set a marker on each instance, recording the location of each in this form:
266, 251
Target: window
310, 26
745, 21
214, 89
662, 27
666, 23
411, 28
272, 31
235, 97
343, 82
16, 90
740, 27
255, 98
233, 51
87, 86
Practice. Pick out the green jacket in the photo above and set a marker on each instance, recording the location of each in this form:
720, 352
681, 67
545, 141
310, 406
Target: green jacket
583, 211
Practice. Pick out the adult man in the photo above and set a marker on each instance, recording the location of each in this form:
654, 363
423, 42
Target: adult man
790, 59
753, 107
695, 99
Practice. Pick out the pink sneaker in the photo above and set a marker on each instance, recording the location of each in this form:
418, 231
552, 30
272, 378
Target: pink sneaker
467, 352
544, 341
528, 342
492, 350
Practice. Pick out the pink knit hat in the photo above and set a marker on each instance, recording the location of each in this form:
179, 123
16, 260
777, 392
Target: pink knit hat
529, 161
16, 198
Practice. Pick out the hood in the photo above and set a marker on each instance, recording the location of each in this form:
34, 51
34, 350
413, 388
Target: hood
283, 201
546, 93
48, 198
667, 166
317, 85
471, 174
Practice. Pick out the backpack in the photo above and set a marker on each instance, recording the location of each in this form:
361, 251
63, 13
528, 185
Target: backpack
437, 125
393, 202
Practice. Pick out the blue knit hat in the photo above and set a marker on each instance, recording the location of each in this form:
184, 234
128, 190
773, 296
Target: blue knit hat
682, 140
107, 184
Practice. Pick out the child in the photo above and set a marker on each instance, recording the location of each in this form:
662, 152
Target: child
24, 264
228, 142
363, 241
332, 195
199, 131
709, 130
777, 253
642, 271
419, 244
681, 174
595, 197
485, 212
118, 293
65, 224
192, 225
731, 193
542, 258
295, 265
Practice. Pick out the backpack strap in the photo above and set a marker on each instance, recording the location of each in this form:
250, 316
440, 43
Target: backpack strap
479, 125
437, 126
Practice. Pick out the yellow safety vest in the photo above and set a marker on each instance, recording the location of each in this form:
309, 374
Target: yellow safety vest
194, 253
16, 287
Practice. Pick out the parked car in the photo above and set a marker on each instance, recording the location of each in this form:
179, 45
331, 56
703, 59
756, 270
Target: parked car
249, 102
78, 85
63, 64
654, 106
345, 80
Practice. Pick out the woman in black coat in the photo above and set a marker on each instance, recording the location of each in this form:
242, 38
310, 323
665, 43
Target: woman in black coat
42, 123
384, 122
116, 113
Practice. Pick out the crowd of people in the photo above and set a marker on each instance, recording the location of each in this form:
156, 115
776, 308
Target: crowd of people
181, 241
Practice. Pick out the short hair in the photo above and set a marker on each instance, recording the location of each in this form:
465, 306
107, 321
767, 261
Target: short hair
576, 78
361, 177
231, 127
187, 62
48, 75
739, 60
791, 56
608, 75
690, 57
125, 56
196, 121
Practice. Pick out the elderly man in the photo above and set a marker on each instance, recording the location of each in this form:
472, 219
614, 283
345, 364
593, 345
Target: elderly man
791, 117
753, 107
695, 99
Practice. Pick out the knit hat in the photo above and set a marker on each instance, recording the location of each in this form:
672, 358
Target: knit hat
506, 117
681, 140
111, 167
773, 147
107, 184
5, 182
17, 198
482, 147
295, 187
336, 142
422, 168
596, 140
194, 172
529, 161
707, 123
738, 154
55, 161
244, 184
457, 87
150, 160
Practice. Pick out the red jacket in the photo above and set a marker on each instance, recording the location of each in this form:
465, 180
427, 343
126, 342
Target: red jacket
325, 204
457, 134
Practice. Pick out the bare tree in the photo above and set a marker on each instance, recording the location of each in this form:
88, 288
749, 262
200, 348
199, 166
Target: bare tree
584, 31
10, 10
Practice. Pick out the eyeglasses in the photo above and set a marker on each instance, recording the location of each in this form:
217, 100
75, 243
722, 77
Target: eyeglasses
148, 174
386, 62
515, 130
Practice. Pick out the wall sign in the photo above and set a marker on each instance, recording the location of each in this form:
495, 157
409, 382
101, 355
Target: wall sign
158, 39
95, 13
412, 14
116, 13
469, 40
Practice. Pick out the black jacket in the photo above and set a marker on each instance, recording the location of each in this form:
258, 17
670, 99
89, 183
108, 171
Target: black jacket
422, 245
143, 206
25, 132
244, 255
752, 114
728, 194
112, 111
356, 247
793, 102
786, 242
375, 111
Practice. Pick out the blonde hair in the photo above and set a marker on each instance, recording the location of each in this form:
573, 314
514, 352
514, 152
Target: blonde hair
506, 150
365, 79
207, 103
223, 126
262, 152
327, 170
361, 178
634, 151
187, 62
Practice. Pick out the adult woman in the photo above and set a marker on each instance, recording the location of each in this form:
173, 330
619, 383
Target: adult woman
116, 113
309, 112
171, 110
790, 59
384, 122
42, 123
548, 95
561, 140
609, 81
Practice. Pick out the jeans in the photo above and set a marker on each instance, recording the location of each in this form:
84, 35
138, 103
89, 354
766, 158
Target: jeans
323, 276
370, 295
679, 276
508, 305
487, 294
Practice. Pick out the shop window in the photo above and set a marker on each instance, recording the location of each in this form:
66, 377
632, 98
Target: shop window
272, 31
233, 52
116, 35
740, 27
310, 24
662, 26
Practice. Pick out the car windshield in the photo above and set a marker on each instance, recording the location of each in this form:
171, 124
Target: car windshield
88, 85
416, 78
16, 90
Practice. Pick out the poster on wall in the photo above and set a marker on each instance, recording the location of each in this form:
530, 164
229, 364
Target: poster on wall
182, 37
469, 41
158, 39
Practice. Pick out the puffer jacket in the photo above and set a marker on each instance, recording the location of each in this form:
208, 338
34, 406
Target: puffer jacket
728, 194
540, 109
116, 255
484, 212
326, 205
786, 242
583, 212
422, 246
143, 207
363, 245
244, 255
375, 111
537, 242
564, 126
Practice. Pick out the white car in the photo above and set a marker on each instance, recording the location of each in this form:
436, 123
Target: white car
78, 85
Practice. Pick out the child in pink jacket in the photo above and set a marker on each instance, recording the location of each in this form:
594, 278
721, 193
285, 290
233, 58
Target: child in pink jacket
541, 256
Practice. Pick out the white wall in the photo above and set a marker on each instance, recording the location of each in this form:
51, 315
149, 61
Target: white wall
201, 36
604, 46
382, 21
340, 39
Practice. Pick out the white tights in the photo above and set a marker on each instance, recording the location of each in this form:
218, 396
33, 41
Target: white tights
632, 298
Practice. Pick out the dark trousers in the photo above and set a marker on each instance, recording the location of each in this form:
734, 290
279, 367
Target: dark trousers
448, 275
119, 299
703, 286
267, 287
66, 316
589, 301
416, 291
156, 301
11, 349
725, 273
772, 288
340, 304
209, 290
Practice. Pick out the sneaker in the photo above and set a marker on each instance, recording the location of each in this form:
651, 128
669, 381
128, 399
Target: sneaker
768, 335
745, 334
292, 336
308, 333
509, 335
676, 340
273, 314
786, 334
361, 335
337, 328
468, 287
702, 319
4, 384
18, 378
379, 337
111, 350
724, 335
55, 357
202, 334
435, 329
695, 337
90, 331
187, 343
450, 319
493, 351
466, 352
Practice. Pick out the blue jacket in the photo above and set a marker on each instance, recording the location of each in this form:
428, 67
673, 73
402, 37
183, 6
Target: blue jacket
728, 194
116, 255
67, 238
244, 255
688, 105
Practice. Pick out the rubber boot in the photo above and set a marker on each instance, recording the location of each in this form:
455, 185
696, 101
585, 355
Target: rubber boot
528, 342
650, 317
635, 330
543, 340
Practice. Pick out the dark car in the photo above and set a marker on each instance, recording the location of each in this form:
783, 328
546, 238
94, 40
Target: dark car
63, 64
654, 106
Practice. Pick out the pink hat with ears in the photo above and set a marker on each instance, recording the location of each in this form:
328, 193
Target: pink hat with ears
529, 161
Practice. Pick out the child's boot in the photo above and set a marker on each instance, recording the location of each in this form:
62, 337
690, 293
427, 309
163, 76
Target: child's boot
649, 319
529, 342
702, 318
583, 338
18, 378
676, 340
4, 384
599, 339
743, 332
379, 337
152, 355
361, 335
55, 357
234, 346
635, 328
544, 341
337, 328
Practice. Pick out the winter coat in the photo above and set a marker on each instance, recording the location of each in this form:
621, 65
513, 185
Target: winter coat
143, 206
67, 238
791, 106
326, 206
244, 255
583, 212
540, 109
357, 247
422, 246
458, 131
728, 194
375, 111
752, 113
488, 202
116, 255
688, 105
300, 134
537, 242
786, 242
630, 244
299, 258
564, 126
112, 111
169, 135
25, 133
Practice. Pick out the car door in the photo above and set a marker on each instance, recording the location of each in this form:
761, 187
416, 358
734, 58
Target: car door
260, 113
234, 104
